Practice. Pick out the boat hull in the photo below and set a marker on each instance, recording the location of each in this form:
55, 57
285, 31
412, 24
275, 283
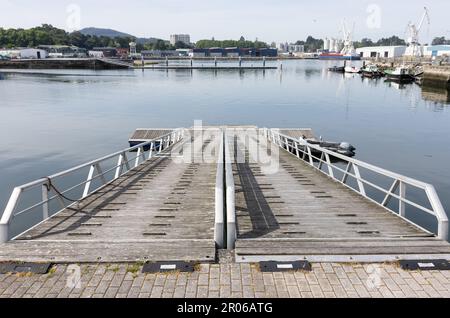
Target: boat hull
403, 78
371, 74
339, 57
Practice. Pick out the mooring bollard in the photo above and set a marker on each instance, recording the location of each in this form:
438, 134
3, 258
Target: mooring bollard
240, 62
264, 61
167, 61
215, 62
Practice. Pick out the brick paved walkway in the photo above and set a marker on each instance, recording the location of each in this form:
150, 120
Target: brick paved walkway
229, 280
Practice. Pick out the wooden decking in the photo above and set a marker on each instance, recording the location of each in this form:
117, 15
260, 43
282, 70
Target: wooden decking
299, 213
164, 210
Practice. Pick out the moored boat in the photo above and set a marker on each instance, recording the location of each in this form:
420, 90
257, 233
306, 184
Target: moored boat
400, 74
337, 69
352, 69
371, 71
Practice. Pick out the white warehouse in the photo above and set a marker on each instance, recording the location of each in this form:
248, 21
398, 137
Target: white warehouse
381, 51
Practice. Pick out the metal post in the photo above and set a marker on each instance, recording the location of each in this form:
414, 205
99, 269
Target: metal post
240, 61
362, 190
167, 61
89, 180
45, 200
401, 204
150, 155
264, 61
215, 62
136, 163
330, 169
119, 167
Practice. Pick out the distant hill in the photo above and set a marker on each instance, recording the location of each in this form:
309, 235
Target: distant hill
114, 34
105, 32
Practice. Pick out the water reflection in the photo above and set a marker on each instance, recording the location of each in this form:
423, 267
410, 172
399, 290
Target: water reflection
438, 95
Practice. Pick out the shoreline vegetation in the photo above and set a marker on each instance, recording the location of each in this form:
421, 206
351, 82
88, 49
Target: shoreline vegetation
47, 34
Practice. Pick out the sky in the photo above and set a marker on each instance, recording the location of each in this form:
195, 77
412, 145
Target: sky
267, 20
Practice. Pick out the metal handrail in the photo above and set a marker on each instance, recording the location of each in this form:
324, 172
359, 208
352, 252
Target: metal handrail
304, 150
219, 231
124, 166
230, 197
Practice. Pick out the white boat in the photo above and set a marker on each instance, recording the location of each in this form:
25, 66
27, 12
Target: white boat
352, 69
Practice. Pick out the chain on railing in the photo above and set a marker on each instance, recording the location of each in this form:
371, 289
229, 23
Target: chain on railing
310, 154
123, 166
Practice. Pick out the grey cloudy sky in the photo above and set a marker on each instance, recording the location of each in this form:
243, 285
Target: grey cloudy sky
267, 20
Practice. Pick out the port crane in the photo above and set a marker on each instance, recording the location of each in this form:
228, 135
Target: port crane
414, 47
348, 39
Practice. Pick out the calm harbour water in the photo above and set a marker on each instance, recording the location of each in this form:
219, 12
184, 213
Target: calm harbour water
51, 122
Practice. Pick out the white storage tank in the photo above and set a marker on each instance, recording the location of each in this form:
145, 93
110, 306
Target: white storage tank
326, 44
332, 45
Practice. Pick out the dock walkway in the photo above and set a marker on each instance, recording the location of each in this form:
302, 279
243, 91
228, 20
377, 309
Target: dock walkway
299, 213
167, 209
163, 210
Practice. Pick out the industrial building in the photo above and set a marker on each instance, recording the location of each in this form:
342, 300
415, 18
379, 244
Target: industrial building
107, 51
198, 53
291, 48
64, 51
24, 53
158, 53
381, 51
185, 38
436, 50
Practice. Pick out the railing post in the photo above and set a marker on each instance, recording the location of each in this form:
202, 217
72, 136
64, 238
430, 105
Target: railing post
311, 160
443, 229
297, 151
330, 169
136, 163
160, 145
150, 154
45, 200
89, 180
401, 204
119, 167
8, 215
362, 190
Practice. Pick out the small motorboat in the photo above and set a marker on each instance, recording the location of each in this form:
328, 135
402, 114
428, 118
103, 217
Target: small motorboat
371, 71
343, 148
337, 69
400, 74
352, 69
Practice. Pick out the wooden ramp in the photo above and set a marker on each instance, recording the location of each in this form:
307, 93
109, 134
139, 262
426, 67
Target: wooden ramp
164, 210
299, 213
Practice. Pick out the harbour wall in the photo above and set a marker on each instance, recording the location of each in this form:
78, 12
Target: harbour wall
437, 76
94, 64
